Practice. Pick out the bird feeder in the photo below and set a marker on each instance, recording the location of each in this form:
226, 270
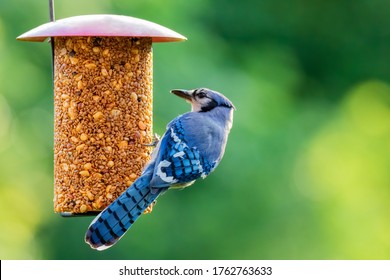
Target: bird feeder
102, 105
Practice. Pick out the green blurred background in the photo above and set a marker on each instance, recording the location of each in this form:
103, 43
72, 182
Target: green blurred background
306, 174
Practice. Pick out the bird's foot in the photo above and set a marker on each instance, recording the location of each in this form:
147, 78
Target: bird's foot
156, 139
149, 209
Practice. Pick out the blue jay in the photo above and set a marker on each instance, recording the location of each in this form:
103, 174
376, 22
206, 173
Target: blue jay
191, 147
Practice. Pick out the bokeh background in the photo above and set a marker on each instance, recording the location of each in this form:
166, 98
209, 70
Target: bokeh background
306, 174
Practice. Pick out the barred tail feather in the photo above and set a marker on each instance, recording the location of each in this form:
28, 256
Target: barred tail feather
112, 223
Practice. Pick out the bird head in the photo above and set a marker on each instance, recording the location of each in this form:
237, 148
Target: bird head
203, 99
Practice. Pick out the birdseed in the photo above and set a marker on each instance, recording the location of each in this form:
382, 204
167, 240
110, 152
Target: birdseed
103, 118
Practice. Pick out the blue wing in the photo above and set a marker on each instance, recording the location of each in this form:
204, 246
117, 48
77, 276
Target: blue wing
177, 163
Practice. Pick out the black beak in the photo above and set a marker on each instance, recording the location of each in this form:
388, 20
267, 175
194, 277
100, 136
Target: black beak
186, 94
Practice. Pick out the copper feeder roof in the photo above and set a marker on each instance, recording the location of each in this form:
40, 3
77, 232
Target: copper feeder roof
102, 25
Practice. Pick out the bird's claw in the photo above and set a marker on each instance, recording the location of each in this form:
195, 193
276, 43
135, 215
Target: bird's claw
149, 209
156, 139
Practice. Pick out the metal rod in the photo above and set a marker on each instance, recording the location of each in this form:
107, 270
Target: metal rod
52, 18
51, 10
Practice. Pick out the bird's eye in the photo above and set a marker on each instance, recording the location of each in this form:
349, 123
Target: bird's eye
201, 94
